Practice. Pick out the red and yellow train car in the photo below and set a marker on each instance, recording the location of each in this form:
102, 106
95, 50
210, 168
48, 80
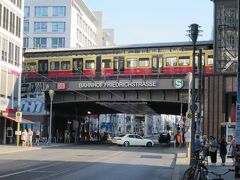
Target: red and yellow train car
113, 61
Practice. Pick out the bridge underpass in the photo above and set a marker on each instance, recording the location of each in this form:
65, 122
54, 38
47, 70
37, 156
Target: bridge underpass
74, 100
69, 110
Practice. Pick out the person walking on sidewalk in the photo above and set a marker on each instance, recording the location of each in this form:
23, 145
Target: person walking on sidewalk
213, 150
24, 138
30, 136
233, 148
223, 150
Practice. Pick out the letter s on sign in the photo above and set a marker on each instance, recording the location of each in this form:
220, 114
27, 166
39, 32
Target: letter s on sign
178, 83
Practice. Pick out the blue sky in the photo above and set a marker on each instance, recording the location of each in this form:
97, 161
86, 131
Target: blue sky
151, 21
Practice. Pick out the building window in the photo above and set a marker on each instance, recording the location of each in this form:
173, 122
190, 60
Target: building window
26, 27
19, 4
5, 18
26, 11
59, 11
58, 42
12, 22
41, 11
58, 27
40, 27
4, 49
10, 54
25, 42
17, 55
18, 26
40, 42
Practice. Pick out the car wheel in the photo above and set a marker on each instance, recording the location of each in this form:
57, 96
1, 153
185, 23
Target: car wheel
149, 144
126, 143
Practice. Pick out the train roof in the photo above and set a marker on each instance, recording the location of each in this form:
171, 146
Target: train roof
130, 46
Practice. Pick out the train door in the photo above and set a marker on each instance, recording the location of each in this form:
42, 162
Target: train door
98, 66
77, 65
157, 64
118, 65
43, 66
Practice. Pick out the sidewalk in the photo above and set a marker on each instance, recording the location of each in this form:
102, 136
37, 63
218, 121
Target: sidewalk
182, 164
6, 149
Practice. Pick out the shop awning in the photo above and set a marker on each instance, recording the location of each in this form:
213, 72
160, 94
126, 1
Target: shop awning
13, 118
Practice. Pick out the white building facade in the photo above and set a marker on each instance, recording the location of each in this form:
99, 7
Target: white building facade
64, 24
11, 28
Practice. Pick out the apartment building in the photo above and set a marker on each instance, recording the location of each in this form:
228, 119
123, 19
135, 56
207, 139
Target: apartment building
11, 24
64, 24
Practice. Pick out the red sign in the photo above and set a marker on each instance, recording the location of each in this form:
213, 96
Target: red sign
61, 85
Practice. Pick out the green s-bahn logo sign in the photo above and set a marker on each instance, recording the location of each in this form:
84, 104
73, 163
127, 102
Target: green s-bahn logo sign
178, 83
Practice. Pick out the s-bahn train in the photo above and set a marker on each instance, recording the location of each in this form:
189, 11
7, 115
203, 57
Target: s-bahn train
144, 59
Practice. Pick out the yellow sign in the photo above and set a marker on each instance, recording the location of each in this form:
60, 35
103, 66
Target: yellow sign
18, 115
189, 115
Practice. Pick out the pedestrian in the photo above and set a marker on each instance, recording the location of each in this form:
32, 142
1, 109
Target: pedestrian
197, 146
233, 149
24, 138
37, 137
223, 150
213, 150
179, 139
205, 146
29, 137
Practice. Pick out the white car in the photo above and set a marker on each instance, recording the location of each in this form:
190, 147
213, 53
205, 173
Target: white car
132, 140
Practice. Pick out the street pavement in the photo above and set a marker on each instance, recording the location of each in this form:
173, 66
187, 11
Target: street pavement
88, 161
96, 161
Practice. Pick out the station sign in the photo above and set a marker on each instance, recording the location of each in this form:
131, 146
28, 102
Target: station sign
178, 83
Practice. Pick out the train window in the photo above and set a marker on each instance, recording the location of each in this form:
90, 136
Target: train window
65, 65
54, 65
132, 62
160, 62
210, 60
106, 63
196, 59
31, 67
164, 50
153, 50
154, 62
171, 61
89, 64
184, 61
143, 62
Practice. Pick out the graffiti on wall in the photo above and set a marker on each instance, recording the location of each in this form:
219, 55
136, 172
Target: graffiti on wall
33, 103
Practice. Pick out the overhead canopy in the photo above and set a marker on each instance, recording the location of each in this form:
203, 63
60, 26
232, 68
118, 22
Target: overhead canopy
13, 118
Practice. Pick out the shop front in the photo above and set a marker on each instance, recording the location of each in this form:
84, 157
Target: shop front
8, 126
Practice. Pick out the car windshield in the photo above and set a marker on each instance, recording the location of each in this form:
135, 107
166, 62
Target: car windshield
121, 135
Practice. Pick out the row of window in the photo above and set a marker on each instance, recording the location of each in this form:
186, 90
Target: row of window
18, 3
56, 42
10, 52
10, 21
43, 27
131, 63
87, 29
43, 11
83, 39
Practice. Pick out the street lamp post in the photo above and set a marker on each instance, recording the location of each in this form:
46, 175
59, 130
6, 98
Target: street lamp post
51, 94
193, 34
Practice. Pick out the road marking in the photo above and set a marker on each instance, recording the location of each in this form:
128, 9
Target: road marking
33, 169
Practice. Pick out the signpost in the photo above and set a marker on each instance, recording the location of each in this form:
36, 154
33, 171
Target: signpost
19, 119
